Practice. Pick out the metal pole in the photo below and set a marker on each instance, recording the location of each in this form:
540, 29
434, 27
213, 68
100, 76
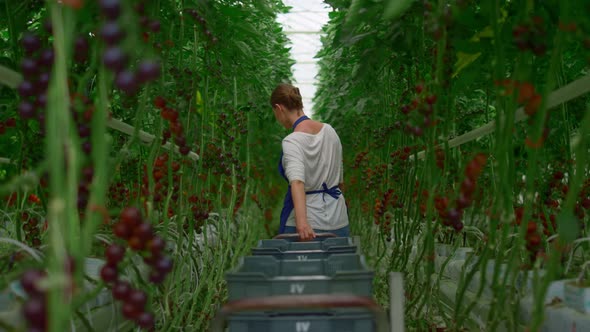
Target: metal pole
396, 301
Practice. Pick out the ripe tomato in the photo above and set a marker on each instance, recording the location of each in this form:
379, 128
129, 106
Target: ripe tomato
531, 227
525, 92
76, 4
34, 199
533, 105
533, 239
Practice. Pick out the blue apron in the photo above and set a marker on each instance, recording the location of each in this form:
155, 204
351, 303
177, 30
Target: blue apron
288, 205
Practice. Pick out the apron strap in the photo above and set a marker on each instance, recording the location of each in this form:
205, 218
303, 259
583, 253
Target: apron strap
298, 121
334, 191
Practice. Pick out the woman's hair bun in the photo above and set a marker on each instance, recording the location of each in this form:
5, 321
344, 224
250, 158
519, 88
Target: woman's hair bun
288, 96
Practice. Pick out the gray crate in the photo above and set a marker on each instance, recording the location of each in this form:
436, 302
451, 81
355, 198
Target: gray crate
302, 255
328, 321
282, 249
285, 245
320, 237
259, 276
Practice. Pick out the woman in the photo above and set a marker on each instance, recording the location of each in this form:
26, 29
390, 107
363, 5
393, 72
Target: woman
311, 162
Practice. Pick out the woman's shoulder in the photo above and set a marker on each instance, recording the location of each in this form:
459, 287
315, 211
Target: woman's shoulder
330, 129
328, 126
292, 139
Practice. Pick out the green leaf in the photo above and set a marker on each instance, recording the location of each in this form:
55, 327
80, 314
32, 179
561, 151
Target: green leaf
334, 14
244, 48
10, 77
353, 39
232, 12
354, 11
395, 8
568, 226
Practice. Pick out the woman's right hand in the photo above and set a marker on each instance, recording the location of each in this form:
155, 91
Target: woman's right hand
305, 231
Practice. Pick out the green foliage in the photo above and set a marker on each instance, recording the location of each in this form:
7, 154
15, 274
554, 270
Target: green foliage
219, 62
477, 62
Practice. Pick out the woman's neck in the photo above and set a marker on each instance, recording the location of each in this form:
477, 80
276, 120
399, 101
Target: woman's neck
294, 117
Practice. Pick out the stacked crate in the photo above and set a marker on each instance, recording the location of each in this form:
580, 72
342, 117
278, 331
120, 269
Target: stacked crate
286, 285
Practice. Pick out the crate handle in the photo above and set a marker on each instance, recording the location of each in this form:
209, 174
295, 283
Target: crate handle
300, 301
292, 235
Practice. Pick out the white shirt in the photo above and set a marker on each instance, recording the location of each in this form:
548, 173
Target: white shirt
315, 159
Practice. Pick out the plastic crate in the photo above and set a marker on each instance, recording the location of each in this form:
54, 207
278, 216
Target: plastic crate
282, 249
327, 321
320, 237
259, 276
325, 244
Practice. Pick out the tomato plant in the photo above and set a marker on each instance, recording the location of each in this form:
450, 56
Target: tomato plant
133, 134
454, 98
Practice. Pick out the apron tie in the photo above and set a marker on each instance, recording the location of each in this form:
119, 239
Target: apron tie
334, 191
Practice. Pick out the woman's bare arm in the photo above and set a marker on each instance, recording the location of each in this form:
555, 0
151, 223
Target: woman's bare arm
303, 229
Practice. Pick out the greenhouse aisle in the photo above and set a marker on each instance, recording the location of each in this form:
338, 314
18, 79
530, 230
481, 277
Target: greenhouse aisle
139, 150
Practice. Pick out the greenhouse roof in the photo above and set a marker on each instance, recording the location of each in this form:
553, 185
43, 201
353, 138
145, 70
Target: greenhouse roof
303, 25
